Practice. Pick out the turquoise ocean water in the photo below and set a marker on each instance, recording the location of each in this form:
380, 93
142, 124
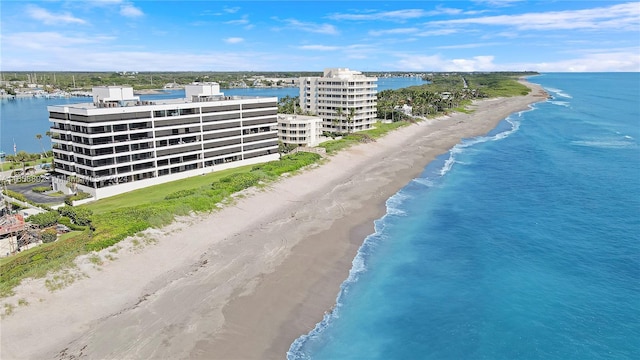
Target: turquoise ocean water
521, 244
21, 119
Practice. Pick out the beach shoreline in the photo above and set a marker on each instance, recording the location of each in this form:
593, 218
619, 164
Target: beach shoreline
246, 281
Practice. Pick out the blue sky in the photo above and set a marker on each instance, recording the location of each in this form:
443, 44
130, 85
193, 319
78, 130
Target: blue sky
487, 35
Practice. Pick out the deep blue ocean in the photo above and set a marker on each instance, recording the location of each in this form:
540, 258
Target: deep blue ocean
521, 244
21, 119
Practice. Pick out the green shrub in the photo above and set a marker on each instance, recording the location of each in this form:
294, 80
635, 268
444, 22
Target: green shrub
16, 195
80, 195
48, 236
43, 220
79, 216
238, 181
67, 222
180, 194
41, 189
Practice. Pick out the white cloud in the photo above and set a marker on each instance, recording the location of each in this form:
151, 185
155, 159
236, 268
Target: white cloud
318, 47
310, 27
618, 17
129, 10
597, 62
399, 15
49, 40
231, 10
592, 62
468, 46
242, 21
233, 40
49, 18
104, 2
396, 31
438, 32
497, 3
79, 60
383, 15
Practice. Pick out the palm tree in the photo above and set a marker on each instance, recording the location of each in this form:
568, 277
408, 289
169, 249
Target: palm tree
39, 137
339, 114
22, 157
350, 116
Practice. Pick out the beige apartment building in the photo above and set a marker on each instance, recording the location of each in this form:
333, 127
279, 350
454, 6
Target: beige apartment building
345, 99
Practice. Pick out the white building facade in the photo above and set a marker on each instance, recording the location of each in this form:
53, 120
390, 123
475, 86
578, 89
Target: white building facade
345, 99
300, 130
119, 143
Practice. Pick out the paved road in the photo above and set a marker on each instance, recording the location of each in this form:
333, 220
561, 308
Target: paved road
25, 189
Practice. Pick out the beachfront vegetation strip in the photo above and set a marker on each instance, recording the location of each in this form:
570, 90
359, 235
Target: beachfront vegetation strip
381, 129
447, 93
109, 221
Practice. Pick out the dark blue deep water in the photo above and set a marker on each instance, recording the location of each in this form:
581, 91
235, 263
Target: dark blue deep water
522, 244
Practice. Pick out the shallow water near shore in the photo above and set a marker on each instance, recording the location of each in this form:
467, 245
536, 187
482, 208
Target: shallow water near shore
519, 244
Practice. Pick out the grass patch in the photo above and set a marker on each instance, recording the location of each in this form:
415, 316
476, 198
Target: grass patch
63, 279
95, 260
8, 309
38, 261
23, 302
114, 219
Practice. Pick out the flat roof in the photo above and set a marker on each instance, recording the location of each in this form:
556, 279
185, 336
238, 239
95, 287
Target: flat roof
148, 103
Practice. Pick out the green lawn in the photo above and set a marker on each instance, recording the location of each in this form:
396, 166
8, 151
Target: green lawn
157, 193
5, 165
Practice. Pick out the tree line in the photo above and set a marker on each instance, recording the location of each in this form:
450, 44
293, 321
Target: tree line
443, 93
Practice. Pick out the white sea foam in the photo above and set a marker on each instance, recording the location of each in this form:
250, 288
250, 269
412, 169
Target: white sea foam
560, 103
606, 144
424, 181
358, 266
394, 204
559, 93
466, 144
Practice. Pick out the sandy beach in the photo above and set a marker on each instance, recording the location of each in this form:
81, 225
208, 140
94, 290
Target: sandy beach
243, 282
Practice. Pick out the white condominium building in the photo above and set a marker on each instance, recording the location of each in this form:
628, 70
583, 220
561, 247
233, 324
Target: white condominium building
345, 99
119, 143
299, 130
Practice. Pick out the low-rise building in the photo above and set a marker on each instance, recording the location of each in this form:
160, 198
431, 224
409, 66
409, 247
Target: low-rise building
300, 130
119, 143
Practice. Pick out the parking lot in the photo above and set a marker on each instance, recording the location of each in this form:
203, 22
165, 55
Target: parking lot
26, 190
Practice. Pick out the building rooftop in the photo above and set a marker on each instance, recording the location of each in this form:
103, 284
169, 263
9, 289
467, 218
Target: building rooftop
122, 97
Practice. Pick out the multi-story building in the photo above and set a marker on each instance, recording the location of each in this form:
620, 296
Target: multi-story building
119, 143
345, 99
299, 130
